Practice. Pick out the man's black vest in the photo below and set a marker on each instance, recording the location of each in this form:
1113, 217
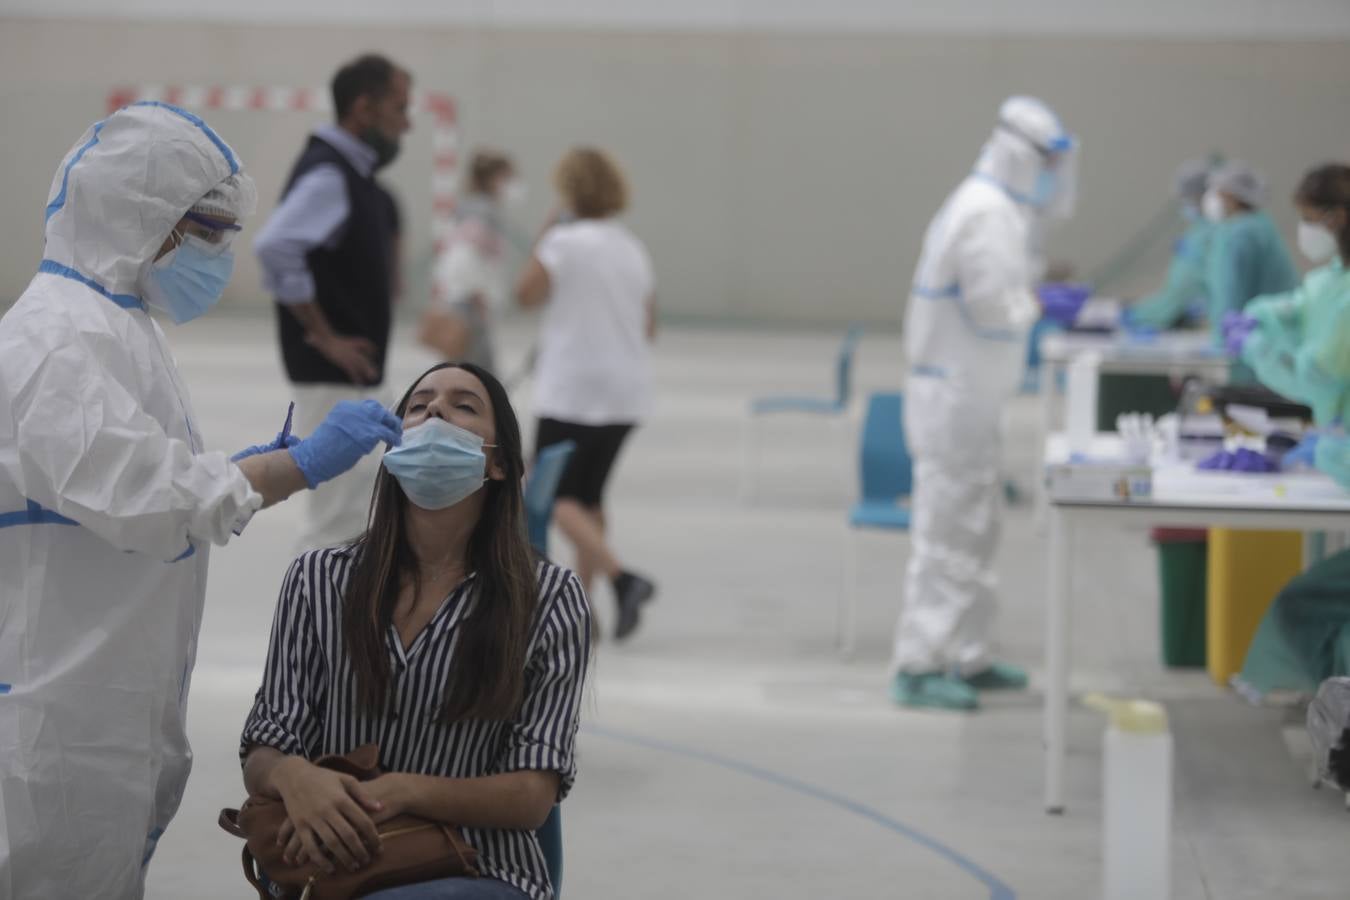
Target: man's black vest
352, 279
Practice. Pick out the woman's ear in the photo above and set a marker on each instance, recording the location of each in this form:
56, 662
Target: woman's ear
494, 469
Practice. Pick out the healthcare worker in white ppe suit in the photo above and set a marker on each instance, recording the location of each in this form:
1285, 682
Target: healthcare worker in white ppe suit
971, 307
109, 503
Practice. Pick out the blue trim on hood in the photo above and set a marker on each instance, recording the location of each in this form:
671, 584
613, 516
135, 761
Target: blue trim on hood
60, 199
126, 301
206, 129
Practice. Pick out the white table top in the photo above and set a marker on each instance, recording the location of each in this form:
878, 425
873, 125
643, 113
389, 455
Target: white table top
1181, 484
1168, 348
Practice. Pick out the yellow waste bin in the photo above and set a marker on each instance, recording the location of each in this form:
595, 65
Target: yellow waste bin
1246, 569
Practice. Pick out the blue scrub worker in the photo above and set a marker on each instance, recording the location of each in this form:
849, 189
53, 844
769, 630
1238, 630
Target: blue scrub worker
109, 502
1184, 289
1247, 258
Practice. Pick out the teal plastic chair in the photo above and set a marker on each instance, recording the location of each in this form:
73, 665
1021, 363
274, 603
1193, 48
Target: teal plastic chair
886, 480
540, 492
835, 406
542, 488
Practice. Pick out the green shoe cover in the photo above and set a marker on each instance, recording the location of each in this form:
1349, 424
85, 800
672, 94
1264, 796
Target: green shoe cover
933, 690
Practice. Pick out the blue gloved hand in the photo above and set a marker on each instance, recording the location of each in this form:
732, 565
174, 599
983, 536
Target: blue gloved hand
1303, 455
1241, 460
1237, 327
283, 439
350, 431
1062, 302
1138, 332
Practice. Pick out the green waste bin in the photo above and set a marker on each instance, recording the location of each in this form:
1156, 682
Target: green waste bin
1182, 557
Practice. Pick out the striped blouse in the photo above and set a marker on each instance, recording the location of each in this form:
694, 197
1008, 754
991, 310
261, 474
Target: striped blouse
306, 705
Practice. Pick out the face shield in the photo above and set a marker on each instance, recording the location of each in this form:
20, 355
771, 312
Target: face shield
1055, 191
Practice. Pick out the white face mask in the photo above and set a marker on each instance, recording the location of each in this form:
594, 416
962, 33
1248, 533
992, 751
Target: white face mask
1212, 206
1316, 242
513, 193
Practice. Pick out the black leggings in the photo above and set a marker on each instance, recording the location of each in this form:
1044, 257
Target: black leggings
587, 471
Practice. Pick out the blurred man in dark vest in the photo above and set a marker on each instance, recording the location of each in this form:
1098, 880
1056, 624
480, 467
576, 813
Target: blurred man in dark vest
327, 258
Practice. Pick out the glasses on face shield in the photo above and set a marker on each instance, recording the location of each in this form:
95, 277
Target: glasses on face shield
213, 235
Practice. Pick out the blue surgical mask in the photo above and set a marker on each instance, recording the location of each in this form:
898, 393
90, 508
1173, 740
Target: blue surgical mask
438, 464
1191, 213
189, 280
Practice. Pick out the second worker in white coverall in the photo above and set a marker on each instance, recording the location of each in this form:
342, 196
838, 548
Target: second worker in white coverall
971, 307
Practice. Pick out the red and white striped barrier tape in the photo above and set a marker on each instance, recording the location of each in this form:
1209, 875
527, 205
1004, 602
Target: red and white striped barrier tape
440, 108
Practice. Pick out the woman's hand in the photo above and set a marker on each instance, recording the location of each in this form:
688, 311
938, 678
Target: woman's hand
391, 792
326, 811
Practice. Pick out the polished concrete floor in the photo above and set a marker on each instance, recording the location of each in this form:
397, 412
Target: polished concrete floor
728, 751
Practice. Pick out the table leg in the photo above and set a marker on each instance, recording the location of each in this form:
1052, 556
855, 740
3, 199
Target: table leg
1049, 379
1057, 663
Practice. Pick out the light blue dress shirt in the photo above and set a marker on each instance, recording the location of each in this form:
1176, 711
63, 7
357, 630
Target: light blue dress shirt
311, 215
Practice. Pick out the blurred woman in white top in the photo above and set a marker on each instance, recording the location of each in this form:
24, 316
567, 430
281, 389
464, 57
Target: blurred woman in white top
594, 279
469, 284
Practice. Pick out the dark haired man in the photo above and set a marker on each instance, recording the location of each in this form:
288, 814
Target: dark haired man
327, 258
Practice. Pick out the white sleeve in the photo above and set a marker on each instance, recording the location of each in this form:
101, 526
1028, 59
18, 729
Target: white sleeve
993, 271
461, 272
552, 253
84, 447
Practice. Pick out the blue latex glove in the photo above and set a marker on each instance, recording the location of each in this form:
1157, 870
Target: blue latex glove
283, 440
1062, 302
1303, 455
1237, 327
1242, 460
1136, 332
350, 431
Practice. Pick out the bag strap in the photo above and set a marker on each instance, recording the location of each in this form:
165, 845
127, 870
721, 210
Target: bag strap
229, 820
454, 840
251, 873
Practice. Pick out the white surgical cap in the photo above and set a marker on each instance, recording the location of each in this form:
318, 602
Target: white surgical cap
1237, 179
234, 198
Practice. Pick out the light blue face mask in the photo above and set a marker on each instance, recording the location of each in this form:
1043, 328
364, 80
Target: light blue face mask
1047, 185
191, 282
438, 464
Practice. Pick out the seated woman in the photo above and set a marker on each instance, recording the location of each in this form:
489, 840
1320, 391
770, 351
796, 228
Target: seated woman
439, 636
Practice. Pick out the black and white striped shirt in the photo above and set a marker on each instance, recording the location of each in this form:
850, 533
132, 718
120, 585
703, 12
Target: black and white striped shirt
307, 703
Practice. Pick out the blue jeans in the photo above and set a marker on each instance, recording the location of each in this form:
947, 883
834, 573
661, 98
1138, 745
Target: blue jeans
452, 889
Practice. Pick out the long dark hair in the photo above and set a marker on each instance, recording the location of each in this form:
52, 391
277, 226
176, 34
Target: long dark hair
1328, 188
486, 679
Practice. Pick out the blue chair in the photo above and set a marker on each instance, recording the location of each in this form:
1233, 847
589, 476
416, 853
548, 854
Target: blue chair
836, 406
886, 478
540, 491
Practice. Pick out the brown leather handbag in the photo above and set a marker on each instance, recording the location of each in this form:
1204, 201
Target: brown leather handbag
413, 849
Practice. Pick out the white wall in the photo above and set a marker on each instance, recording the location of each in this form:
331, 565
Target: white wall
1205, 19
782, 177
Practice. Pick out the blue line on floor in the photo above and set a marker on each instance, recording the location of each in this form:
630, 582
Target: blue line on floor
997, 889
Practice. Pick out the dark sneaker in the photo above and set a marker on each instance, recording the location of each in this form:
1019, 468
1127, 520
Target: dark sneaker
631, 591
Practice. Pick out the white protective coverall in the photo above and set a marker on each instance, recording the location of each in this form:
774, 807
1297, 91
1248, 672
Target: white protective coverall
970, 310
107, 507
